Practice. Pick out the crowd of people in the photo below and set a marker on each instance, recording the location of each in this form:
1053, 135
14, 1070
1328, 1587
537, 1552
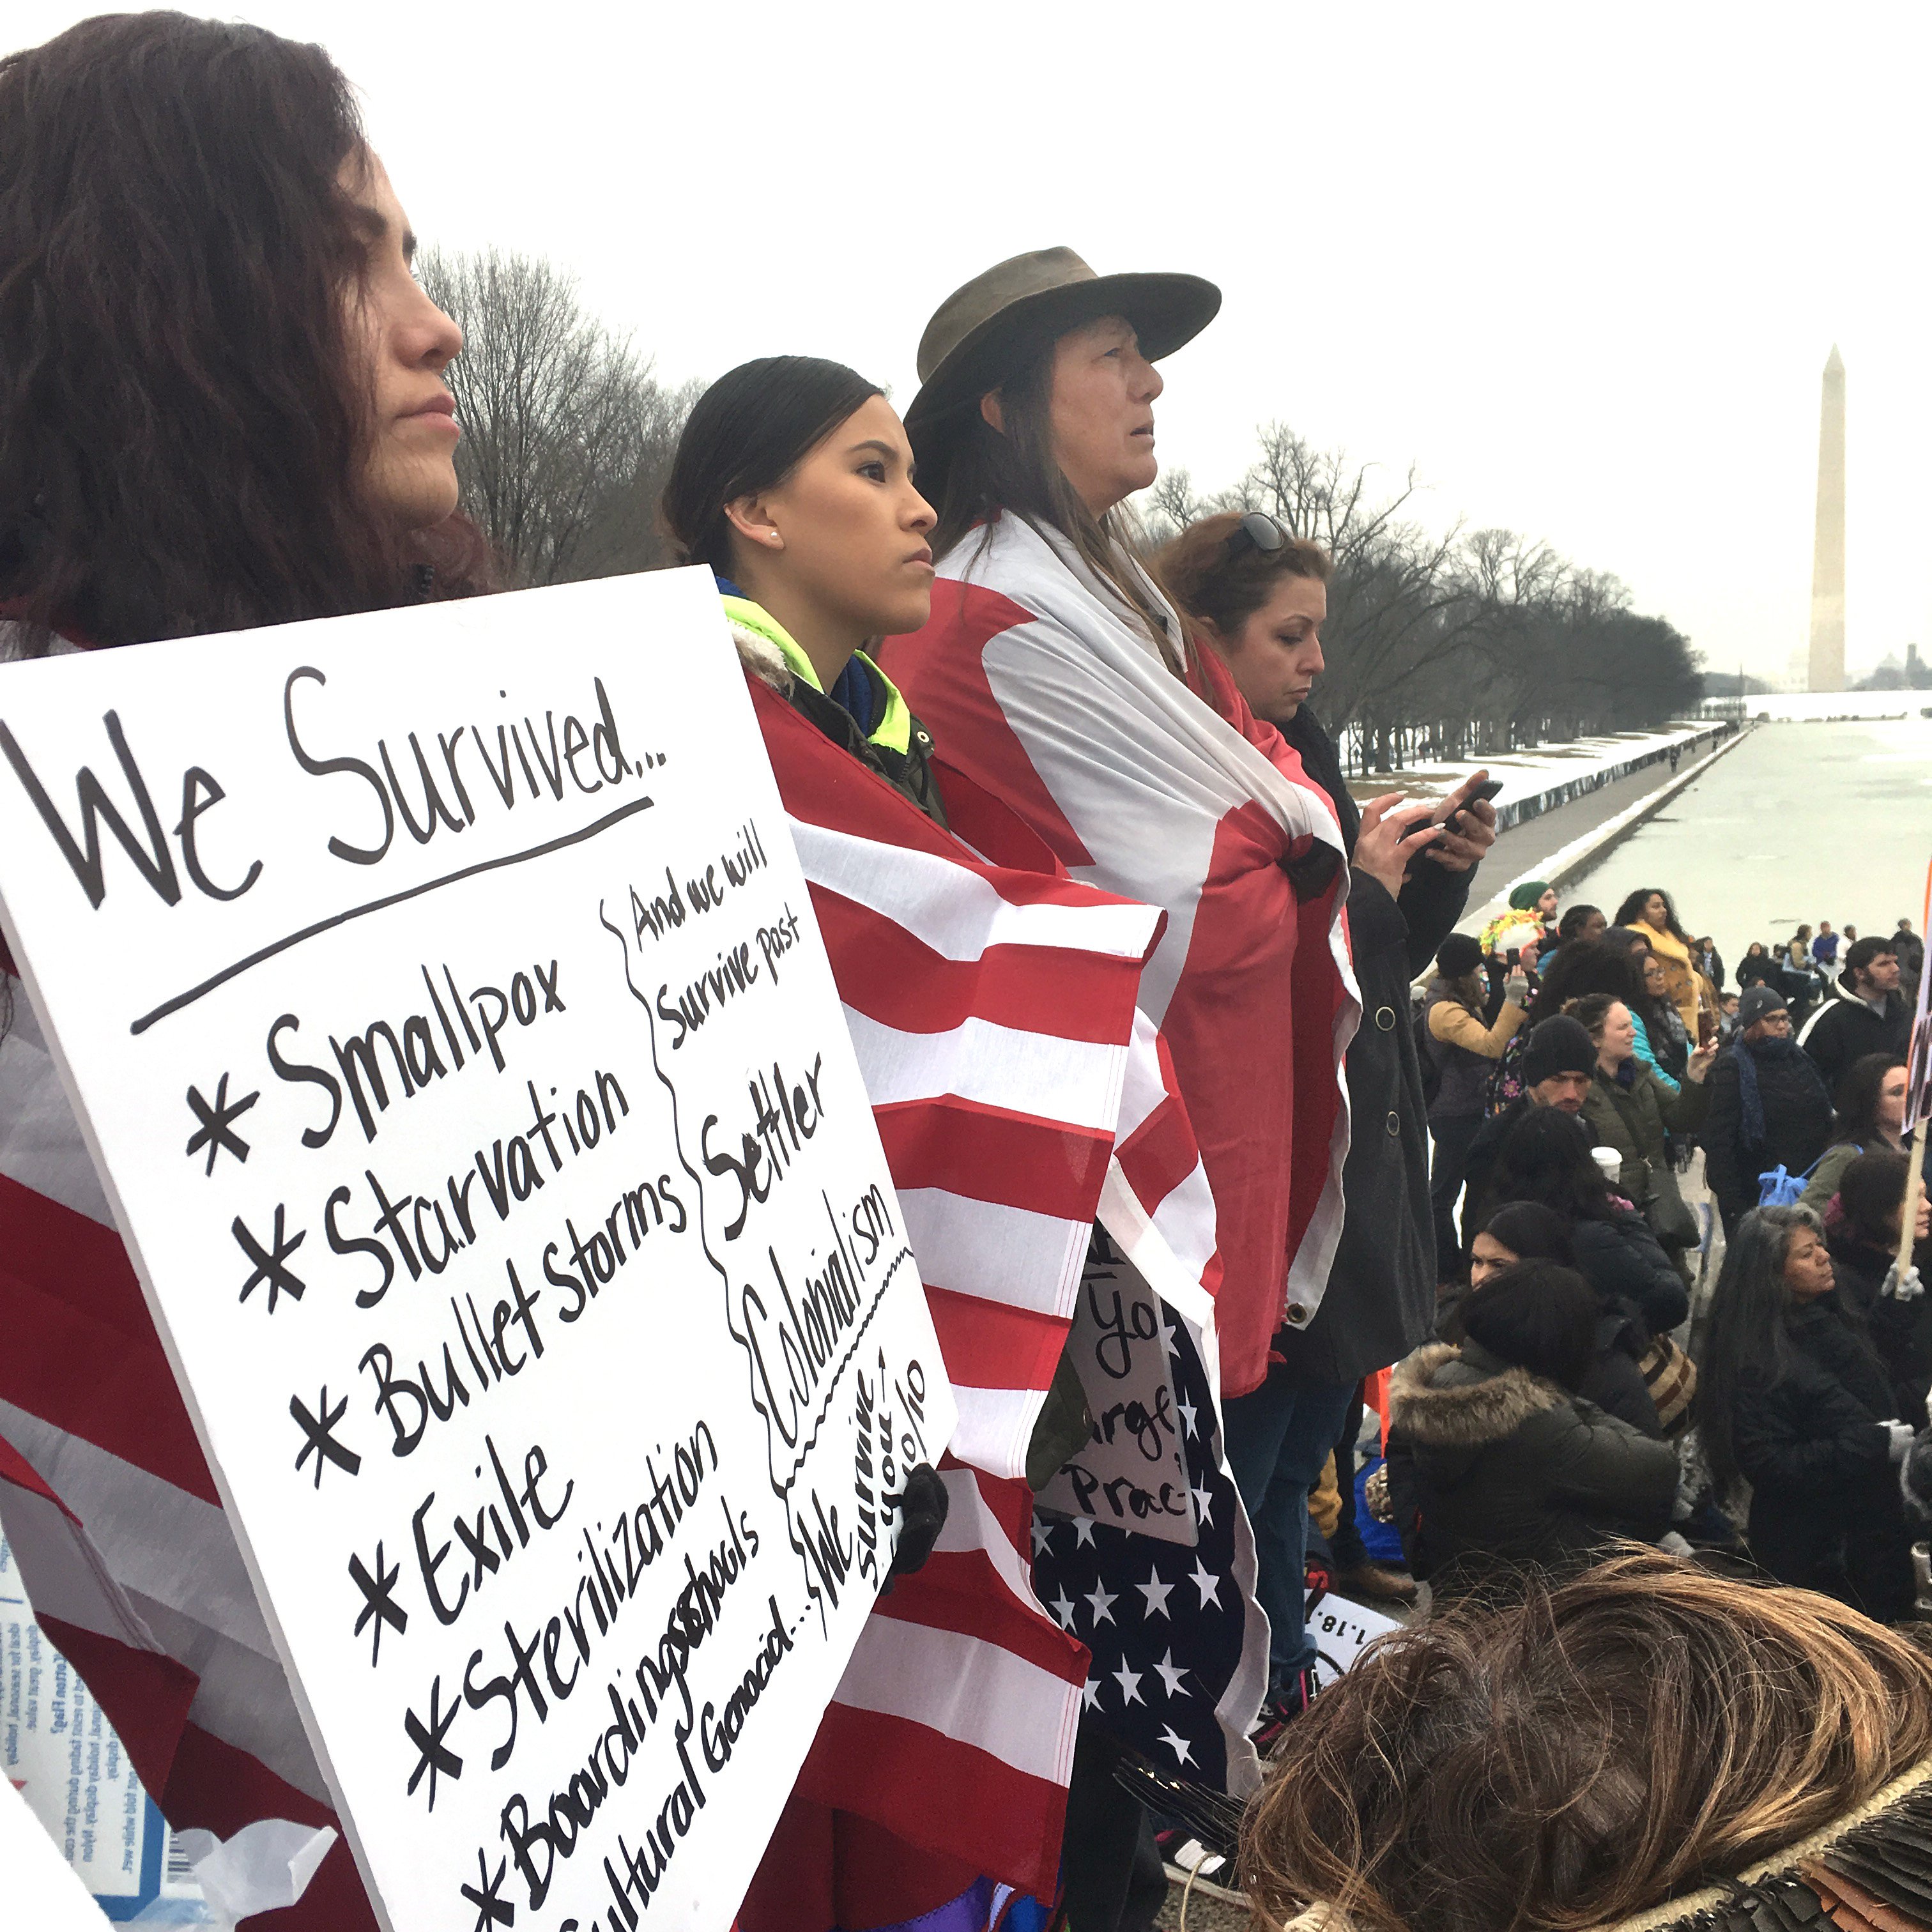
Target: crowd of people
1582, 1066
221, 406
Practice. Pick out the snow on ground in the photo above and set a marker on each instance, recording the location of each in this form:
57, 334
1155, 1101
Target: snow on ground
1528, 775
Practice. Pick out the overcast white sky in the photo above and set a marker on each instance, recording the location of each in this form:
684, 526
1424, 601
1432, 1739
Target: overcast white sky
1583, 264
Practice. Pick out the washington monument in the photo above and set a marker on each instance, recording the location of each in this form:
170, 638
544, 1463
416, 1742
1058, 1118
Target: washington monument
1828, 554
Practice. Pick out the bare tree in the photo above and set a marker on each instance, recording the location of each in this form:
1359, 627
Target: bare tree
567, 433
1441, 646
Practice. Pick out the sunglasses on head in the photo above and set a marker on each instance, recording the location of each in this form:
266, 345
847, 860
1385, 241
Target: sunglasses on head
1256, 531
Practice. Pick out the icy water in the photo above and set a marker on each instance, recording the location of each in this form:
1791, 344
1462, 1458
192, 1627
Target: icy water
1800, 823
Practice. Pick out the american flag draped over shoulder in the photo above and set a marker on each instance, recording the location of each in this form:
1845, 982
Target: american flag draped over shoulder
112, 1514
1020, 1096
1015, 1085
1048, 704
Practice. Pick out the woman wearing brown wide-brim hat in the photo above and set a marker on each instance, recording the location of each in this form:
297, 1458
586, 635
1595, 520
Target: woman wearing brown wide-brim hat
1070, 714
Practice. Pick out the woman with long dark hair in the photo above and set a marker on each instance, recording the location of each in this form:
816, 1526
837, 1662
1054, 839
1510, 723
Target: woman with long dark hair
1793, 1401
1078, 724
221, 406
1649, 911
221, 402
1862, 1225
1870, 1118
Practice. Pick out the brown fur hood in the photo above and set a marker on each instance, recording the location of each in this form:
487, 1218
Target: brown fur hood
1438, 1397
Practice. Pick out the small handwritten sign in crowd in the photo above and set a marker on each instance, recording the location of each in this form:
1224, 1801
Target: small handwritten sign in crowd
441, 997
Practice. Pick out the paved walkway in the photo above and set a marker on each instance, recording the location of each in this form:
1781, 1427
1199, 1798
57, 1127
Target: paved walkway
1521, 848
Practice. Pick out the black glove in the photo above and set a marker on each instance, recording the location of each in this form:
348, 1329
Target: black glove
923, 1504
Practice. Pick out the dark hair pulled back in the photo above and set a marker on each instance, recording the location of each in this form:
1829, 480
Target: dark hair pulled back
183, 422
1536, 1314
1546, 1157
747, 433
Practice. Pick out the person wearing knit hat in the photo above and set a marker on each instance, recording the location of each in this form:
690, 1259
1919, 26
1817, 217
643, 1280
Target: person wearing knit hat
1559, 1060
1769, 1107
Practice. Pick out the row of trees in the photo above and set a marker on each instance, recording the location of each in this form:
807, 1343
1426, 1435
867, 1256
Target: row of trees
1445, 646
1440, 647
568, 435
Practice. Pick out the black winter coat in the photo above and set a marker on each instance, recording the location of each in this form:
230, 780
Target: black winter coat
1900, 1332
1824, 1509
1797, 1121
1381, 1301
1492, 1468
1845, 1029
1613, 1381
1622, 1260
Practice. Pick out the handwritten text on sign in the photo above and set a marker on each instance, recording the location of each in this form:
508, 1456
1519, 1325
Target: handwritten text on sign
443, 1002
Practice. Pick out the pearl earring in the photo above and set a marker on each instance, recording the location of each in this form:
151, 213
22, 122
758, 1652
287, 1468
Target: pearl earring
775, 539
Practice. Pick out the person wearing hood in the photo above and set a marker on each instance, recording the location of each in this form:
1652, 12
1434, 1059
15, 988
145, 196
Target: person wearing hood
1768, 1106
1497, 1465
1464, 1053
1864, 1012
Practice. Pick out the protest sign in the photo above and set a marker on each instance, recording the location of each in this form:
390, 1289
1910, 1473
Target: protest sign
1343, 1629
1131, 1473
441, 998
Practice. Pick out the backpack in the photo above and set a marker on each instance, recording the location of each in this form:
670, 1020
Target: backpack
1505, 1088
1778, 1189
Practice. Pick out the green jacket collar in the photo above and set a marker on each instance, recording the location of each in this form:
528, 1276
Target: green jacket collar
894, 730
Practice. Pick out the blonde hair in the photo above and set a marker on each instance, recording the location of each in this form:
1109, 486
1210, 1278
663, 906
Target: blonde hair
1583, 1754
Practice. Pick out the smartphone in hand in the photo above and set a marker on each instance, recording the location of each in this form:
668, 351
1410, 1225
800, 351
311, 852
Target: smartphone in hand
1453, 823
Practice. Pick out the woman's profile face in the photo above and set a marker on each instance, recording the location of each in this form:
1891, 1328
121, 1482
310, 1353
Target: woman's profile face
1595, 926
851, 530
1891, 1101
1275, 657
1656, 914
1654, 981
1807, 1267
1486, 1256
1101, 412
1619, 1037
404, 342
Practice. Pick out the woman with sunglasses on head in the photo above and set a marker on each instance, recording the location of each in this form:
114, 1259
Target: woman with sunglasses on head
1078, 722
1255, 598
221, 406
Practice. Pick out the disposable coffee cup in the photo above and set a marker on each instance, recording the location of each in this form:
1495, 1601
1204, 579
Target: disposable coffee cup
1609, 1162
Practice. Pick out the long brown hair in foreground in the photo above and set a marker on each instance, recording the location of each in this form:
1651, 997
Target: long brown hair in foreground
182, 422
1583, 1753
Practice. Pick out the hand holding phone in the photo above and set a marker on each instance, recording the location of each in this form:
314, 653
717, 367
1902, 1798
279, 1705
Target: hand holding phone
1456, 822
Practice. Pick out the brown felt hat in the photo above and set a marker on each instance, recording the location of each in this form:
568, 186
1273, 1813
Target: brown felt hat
972, 341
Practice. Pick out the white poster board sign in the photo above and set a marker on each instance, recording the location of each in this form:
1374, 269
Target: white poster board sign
441, 999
